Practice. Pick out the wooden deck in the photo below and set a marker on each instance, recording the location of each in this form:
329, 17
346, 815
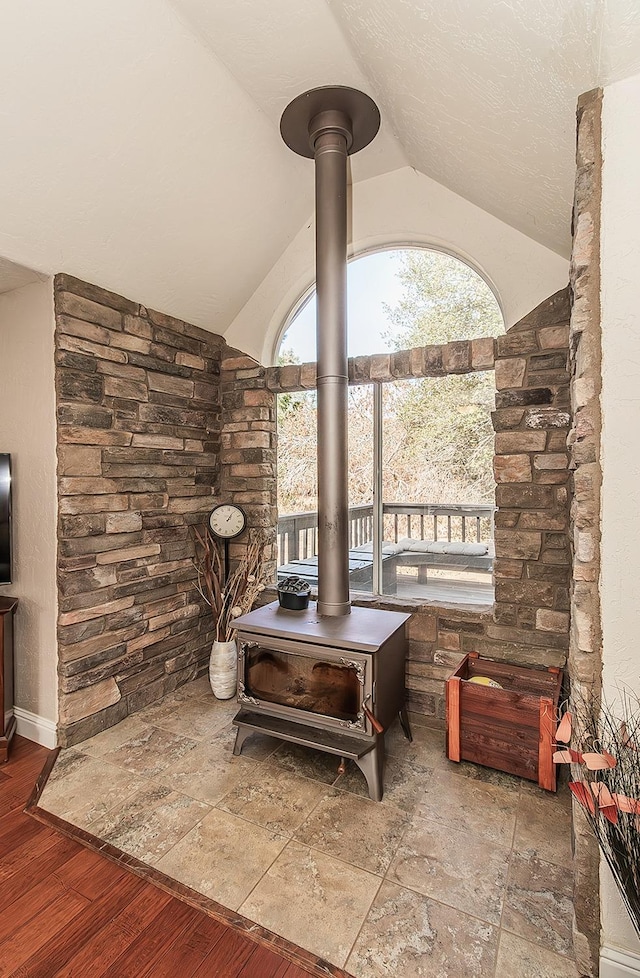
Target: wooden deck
408, 570
360, 570
68, 912
470, 588
476, 589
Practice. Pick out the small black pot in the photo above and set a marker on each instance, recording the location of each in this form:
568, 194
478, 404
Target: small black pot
293, 602
293, 594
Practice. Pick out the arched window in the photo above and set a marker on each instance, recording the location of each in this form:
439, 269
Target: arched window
421, 450
400, 298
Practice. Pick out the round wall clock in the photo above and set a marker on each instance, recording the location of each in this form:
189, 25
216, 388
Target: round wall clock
227, 521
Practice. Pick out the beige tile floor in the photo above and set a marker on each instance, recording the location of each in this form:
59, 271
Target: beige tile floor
460, 872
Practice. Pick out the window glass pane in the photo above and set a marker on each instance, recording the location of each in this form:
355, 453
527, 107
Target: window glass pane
361, 488
297, 483
438, 488
298, 493
438, 440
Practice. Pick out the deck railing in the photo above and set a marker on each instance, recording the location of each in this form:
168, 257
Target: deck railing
298, 533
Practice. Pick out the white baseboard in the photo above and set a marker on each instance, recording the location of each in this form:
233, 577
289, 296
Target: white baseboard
618, 964
36, 728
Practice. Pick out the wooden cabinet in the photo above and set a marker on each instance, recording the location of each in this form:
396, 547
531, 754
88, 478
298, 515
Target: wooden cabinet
7, 719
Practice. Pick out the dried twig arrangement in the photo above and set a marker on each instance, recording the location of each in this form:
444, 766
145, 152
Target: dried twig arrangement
227, 600
604, 752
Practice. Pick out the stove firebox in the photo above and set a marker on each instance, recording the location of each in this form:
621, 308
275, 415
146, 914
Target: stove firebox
331, 683
314, 683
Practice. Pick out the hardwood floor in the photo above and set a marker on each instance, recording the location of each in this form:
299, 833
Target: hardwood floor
68, 912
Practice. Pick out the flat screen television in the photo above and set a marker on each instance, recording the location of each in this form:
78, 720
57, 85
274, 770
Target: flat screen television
5, 519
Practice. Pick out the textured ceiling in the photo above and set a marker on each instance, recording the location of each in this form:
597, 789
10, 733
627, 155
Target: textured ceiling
480, 94
483, 96
132, 158
140, 144
279, 49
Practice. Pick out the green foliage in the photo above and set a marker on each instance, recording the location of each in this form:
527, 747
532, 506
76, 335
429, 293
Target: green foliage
297, 487
286, 355
290, 401
443, 300
442, 426
443, 438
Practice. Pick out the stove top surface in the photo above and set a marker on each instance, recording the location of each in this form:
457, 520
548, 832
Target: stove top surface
364, 630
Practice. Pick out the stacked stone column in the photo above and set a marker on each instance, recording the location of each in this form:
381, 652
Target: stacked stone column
585, 648
531, 463
586, 634
138, 431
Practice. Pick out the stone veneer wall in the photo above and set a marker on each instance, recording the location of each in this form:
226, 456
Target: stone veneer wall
529, 622
138, 432
461, 357
531, 612
585, 655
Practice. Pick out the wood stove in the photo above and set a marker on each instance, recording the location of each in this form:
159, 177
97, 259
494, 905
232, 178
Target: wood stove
333, 683
330, 677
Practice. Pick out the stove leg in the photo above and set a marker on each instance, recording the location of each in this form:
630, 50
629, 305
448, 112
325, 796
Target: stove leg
241, 736
404, 723
372, 766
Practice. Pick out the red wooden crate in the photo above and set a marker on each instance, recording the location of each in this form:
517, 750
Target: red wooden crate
510, 729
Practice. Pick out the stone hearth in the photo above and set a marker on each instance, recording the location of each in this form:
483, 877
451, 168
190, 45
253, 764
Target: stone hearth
460, 872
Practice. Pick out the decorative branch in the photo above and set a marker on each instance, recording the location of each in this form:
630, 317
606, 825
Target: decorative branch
605, 744
236, 596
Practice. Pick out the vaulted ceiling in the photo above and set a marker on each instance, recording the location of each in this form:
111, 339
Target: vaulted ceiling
140, 145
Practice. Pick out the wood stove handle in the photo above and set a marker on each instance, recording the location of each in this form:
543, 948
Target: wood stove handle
379, 729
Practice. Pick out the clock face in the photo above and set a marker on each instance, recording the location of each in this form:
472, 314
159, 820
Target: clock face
227, 521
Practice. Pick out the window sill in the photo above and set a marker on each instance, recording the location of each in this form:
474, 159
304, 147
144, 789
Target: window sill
389, 602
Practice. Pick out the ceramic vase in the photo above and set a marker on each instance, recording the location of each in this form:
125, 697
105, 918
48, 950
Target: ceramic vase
223, 669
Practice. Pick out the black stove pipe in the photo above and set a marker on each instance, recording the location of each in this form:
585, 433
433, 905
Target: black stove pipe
329, 124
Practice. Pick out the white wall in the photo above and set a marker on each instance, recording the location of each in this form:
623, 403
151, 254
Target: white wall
620, 581
27, 431
406, 207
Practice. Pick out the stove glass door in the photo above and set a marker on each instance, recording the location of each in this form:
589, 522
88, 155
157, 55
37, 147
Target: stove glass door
311, 683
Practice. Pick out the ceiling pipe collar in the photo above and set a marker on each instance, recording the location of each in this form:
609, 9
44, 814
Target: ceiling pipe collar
359, 110
330, 122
